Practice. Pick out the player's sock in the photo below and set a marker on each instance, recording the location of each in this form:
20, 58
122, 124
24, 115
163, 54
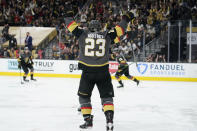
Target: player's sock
121, 84
79, 109
32, 76
88, 121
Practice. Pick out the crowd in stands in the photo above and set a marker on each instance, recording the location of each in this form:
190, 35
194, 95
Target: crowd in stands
14, 53
157, 57
45, 13
40, 13
150, 21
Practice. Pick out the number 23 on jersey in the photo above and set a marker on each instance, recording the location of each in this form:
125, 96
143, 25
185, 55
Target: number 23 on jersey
90, 47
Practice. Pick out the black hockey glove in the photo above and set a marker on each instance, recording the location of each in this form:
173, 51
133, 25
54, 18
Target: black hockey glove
109, 26
129, 16
32, 63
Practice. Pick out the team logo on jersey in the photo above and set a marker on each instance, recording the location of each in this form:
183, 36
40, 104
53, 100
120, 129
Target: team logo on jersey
142, 68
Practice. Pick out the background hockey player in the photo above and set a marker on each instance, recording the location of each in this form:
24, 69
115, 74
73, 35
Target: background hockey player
123, 69
94, 62
26, 63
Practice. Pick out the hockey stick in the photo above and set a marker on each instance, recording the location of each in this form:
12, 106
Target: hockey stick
19, 54
20, 77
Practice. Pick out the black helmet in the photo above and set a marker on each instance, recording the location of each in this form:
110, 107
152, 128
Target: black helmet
94, 26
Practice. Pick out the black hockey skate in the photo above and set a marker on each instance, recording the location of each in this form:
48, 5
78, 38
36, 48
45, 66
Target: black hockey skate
24, 79
137, 81
32, 79
110, 126
120, 86
88, 122
109, 117
79, 109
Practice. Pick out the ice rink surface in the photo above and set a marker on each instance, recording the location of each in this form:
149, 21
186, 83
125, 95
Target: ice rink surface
50, 104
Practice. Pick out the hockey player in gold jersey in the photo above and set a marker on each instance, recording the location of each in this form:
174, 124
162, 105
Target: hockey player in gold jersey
25, 62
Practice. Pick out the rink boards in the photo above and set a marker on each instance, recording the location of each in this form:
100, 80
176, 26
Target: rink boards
142, 70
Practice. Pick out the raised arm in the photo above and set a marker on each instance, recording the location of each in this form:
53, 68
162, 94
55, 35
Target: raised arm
120, 29
73, 27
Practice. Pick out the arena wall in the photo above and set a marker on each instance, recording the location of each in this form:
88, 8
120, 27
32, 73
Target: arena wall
142, 70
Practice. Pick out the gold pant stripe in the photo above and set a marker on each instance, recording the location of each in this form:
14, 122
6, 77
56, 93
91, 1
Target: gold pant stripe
83, 93
94, 65
86, 111
108, 108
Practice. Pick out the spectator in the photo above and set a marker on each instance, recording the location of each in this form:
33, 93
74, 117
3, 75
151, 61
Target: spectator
28, 41
124, 48
40, 54
5, 32
160, 58
12, 42
150, 58
16, 52
5, 53
12, 53
55, 52
74, 54
83, 17
65, 54
34, 53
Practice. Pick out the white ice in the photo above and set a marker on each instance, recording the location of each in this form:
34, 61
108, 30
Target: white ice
50, 104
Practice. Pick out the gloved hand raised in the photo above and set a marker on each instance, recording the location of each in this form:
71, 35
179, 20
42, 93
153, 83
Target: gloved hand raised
128, 16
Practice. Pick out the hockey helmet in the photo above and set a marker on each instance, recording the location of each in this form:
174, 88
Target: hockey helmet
94, 26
